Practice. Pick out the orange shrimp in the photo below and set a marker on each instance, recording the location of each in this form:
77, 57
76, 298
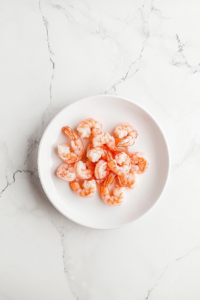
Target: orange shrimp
89, 128
139, 162
104, 139
76, 143
128, 180
66, 172
118, 192
94, 154
82, 171
65, 153
90, 165
121, 164
126, 134
101, 169
87, 190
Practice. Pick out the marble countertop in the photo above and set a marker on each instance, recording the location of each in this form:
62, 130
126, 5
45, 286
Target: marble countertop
54, 52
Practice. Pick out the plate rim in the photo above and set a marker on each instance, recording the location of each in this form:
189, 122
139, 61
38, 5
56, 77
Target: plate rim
167, 148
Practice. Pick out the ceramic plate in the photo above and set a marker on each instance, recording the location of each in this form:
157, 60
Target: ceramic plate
110, 111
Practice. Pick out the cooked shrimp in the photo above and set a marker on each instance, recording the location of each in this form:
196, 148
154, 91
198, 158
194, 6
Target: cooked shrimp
66, 172
139, 162
128, 180
104, 139
82, 171
90, 165
126, 135
94, 154
118, 192
100, 181
65, 153
89, 147
76, 143
89, 128
87, 190
101, 169
121, 164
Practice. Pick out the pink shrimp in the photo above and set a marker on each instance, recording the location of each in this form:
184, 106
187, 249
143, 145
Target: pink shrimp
94, 154
126, 134
76, 143
65, 153
90, 165
89, 128
118, 192
87, 190
101, 169
128, 180
121, 164
139, 162
104, 139
66, 172
82, 171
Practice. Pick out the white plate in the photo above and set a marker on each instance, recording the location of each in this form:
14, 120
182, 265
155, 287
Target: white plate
93, 212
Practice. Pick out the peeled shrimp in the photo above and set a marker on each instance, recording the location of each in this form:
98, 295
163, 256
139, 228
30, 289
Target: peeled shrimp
121, 164
126, 135
89, 147
101, 169
66, 172
87, 190
94, 154
128, 180
65, 153
88, 128
104, 139
139, 162
90, 165
76, 143
118, 192
82, 171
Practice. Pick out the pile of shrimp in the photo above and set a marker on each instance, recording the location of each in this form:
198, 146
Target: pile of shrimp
108, 159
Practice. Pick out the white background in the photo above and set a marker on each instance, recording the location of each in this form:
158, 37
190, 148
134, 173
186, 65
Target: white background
53, 53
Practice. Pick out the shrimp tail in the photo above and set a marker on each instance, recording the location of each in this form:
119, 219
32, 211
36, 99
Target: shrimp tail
69, 132
109, 180
121, 143
109, 156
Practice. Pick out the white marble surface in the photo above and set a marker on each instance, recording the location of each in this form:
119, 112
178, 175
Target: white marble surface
53, 53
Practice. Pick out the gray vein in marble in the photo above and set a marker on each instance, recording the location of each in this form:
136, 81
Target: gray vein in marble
61, 232
51, 55
166, 268
33, 144
127, 75
136, 64
192, 149
180, 60
14, 179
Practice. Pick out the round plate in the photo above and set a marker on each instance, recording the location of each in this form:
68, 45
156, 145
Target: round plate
110, 111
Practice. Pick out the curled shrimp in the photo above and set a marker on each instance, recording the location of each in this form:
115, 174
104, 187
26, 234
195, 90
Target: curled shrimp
126, 134
89, 128
128, 179
76, 143
89, 147
66, 172
104, 139
90, 165
87, 190
82, 171
94, 154
117, 197
101, 169
139, 162
65, 153
121, 164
